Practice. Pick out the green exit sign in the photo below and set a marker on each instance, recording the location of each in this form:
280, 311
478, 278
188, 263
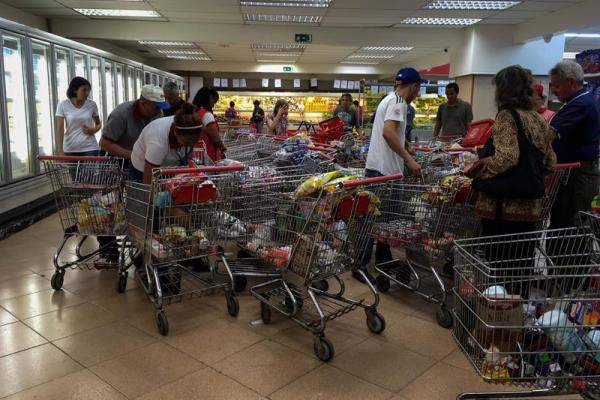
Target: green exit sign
303, 38
287, 69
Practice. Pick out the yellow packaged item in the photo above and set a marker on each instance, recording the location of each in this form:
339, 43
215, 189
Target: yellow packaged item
332, 185
313, 183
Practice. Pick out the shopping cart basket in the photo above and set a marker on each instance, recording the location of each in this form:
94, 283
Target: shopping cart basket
316, 239
89, 197
527, 312
175, 219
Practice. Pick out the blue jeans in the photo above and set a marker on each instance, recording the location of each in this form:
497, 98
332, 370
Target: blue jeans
382, 251
135, 175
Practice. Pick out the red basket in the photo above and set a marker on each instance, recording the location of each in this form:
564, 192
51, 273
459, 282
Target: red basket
191, 188
330, 129
478, 133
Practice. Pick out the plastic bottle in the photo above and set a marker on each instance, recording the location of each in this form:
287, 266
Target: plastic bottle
562, 333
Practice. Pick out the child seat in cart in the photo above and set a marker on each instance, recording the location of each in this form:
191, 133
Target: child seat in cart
177, 223
527, 312
316, 235
88, 192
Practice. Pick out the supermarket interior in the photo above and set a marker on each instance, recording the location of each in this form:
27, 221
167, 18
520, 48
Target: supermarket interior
299, 199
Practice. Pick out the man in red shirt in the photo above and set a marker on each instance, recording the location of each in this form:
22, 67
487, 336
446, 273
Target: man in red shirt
540, 102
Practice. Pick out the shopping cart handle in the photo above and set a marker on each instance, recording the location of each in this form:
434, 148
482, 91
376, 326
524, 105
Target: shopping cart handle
73, 158
367, 181
212, 168
567, 165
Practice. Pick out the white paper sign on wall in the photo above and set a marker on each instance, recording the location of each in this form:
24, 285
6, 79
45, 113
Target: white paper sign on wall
217, 82
265, 82
296, 83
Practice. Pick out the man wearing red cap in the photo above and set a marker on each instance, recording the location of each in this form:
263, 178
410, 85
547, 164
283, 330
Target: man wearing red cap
540, 102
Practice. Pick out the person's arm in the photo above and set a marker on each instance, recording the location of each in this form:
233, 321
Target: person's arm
469, 116
113, 148
438, 123
390, 129
92, 130
60, 134
506, 146
213, 132
567, 121
113, 130
148, 172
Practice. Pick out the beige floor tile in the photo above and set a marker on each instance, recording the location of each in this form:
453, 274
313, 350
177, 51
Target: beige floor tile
266, 366
22, 251
101, 344
383, 364
329, 383
6, 317
23, 285
214, 341
459, 360
421, 336
342, 335
13, 271
146, 369
76, 386
16, 337
127, 305
25, 369
68, 321
42, 302
206, 384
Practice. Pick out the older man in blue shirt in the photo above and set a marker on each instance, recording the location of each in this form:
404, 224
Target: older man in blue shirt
577, 126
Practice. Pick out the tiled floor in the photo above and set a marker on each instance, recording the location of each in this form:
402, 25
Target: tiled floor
88, 342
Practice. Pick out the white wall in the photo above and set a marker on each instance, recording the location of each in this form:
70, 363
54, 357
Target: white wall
196, 82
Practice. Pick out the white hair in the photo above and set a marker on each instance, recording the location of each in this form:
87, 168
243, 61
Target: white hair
568, 70
170, 87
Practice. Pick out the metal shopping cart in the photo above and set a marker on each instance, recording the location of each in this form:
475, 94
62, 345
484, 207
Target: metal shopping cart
314, 239
425, 219
89, 197
177, 219
527, 312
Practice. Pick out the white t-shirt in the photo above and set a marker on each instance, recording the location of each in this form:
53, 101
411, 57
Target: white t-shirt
381, 156
75, 140
153, 146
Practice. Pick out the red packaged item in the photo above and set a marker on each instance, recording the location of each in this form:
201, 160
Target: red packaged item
191, 188
330, 129
478, 133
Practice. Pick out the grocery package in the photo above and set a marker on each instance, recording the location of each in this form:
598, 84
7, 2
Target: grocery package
228, 225
101, 214
314, 183
190, 188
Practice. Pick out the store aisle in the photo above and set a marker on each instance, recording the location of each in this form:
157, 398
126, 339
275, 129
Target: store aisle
88, 342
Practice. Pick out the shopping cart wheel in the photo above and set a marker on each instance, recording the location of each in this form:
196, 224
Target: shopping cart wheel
239, 283
321, 285
323, 348
121, 283
265, 313
233, 307
383, 283
162, 323
57, 280
375, 322
444, 318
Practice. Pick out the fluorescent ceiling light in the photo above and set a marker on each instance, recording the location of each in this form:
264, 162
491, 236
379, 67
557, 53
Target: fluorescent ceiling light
279, 54
569, 55
275, 61
441, 21
361, 62
287, 3
470, 5
277, 18
166, 43
182, 52
393, 49
372, 56
277, 46
583, 35
102, 12
194, 58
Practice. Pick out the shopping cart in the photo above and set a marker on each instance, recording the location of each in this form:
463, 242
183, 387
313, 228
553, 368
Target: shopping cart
234, 132
88, 192
317, 239
527, 312
177, 221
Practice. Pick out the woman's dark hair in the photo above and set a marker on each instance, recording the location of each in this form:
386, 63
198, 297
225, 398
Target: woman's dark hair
356, 103
280, 103
453, 85
75, 84
256, 103
348, 95
202, 97
231, 104
187, 116
514, 88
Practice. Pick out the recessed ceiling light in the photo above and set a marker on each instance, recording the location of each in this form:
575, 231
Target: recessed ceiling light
277, 46
281, 19
361, 62
371, 56
188, 57
275, 61
470, 5
386, 48
287, 3
181, 52
583, 35
165, 43
441, 21
279, 54
102, 12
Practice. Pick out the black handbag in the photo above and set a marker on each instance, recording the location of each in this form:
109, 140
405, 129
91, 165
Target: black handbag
525, 180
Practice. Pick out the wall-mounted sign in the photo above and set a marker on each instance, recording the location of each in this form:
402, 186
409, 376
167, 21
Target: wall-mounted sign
287, 68
217, 82
265, 82
303, 38
224, 82
296, 83
277, 83
313, 82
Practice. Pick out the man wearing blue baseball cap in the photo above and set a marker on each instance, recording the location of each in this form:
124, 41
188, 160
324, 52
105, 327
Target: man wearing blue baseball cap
387, 151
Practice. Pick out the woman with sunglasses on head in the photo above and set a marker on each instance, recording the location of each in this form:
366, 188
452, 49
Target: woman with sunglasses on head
165, 142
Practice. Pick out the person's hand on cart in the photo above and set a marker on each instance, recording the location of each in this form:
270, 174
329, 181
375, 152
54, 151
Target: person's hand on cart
413, 167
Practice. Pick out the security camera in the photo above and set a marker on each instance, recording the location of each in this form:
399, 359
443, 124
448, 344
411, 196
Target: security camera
445, 50
548, 38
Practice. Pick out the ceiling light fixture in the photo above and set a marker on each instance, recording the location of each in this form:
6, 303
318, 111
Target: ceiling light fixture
277, 46
583, 35
287, 3
160, 43
394, 49
194, 58
361, 62
279, 54
275, 61
102, 12
372, 56
440, 21
182, 52
281, 19
470, 5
